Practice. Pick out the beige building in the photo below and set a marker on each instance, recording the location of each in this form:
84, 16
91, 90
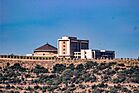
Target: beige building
68, 45
46, 50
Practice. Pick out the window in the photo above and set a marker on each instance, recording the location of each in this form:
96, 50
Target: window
63, 45
85, 57
63, 52
64, 42
85, 52
79, 53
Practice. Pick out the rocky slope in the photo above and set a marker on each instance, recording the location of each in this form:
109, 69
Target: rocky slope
87, 77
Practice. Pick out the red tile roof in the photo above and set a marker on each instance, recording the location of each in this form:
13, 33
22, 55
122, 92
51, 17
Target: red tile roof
46, 47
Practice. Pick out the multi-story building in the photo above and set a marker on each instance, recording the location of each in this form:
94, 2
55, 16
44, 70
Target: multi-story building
68, 45
97, 54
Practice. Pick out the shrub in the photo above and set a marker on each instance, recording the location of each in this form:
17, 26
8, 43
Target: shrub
94, 86
97, 91
39, 69
36, 87
121, 64
50, 82
17, 66
89, 64
44, 89
71, 66
7, 86
58, 68
101, 85
118, 80
89, 79
80, 67
82, 86
113, 90
67, 72
51, 88
29, 88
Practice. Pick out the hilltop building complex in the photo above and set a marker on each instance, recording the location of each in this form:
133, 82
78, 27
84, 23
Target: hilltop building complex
71, 47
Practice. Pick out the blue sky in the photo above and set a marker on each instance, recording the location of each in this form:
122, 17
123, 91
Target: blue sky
108, 24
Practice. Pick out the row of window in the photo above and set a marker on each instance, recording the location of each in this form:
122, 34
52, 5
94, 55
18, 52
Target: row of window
64, 46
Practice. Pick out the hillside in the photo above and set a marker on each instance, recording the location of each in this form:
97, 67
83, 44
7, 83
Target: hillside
90, 77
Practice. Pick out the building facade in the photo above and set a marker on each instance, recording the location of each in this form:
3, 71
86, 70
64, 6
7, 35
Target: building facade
68, 45
77, 55
95, 54
46, 50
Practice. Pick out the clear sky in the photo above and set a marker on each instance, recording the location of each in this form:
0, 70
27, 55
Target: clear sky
108, 24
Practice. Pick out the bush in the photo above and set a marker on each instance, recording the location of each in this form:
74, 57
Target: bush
90, 79
80, 67
58, 68
94, 86
97, 91
82, 86
17, 66
39, 69
7, 86
101, 85
36, 87
135, 79
102, 66
118, 80
71, 66
51, 88
121, 64
44, 89
113, 90
67, 72
29, 88
50, 82
89, 64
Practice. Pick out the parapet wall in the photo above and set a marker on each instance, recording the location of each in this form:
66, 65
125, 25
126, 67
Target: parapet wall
43, 58
50, 61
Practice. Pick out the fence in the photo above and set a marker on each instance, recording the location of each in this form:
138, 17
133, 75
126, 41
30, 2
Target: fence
43, 58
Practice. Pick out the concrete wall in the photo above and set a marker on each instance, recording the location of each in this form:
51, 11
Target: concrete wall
63, 48
86, 54
46, 54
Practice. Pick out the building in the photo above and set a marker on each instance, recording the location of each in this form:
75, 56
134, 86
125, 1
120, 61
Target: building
104, 54
46, 50
71, 47
95, 54
29, 54
77, 55
68, 45
87, 54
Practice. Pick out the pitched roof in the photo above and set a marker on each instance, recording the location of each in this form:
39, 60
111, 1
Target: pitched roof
46, 47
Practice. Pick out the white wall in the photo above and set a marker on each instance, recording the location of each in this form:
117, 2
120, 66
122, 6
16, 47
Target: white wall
60, 48
68, 47
46, 54
88, 54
